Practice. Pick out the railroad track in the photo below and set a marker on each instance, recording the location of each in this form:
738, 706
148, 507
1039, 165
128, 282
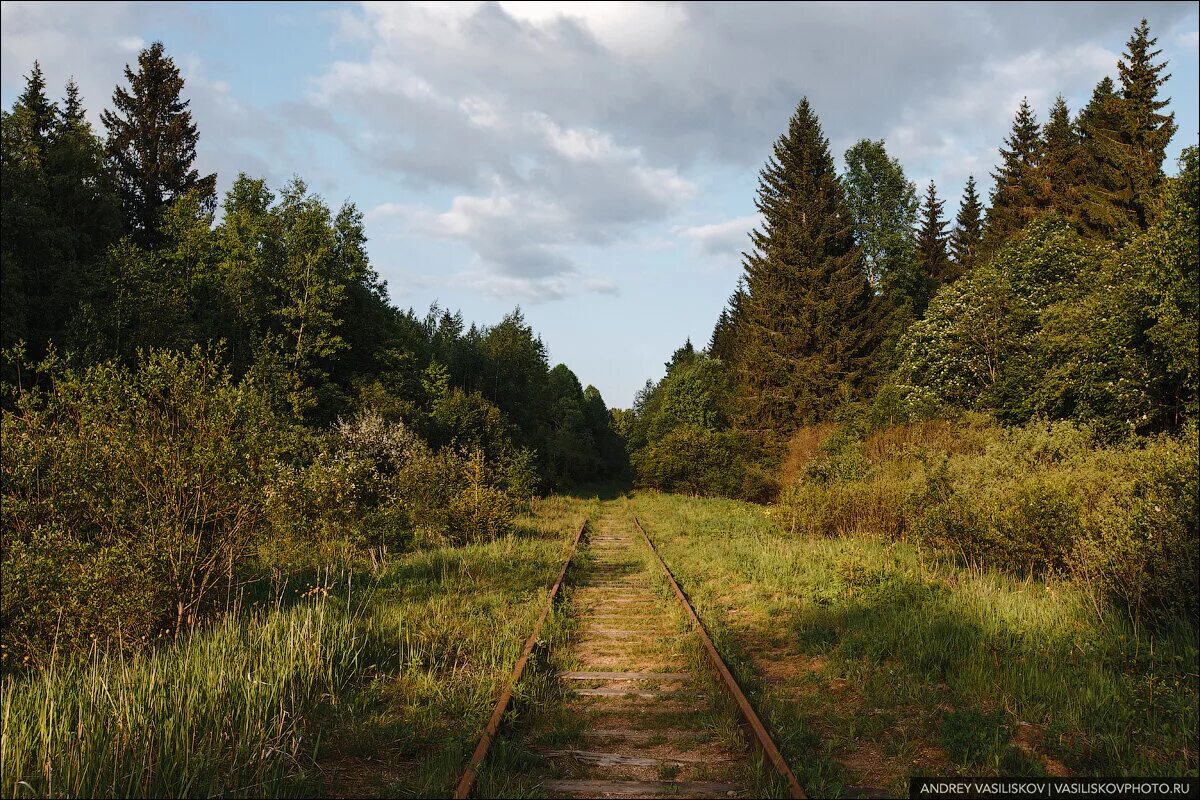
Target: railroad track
641, 720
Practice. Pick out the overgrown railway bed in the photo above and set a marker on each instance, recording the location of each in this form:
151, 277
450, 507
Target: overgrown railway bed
649, 707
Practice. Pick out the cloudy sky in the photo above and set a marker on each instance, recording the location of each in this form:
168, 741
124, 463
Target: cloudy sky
594, 163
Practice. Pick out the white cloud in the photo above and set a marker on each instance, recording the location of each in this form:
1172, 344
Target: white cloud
722, 239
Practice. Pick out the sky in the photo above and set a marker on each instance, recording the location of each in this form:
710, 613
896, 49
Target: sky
593, 163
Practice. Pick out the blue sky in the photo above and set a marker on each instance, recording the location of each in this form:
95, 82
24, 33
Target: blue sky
594, 163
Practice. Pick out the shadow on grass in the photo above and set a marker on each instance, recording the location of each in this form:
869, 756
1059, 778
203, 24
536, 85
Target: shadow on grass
972, 678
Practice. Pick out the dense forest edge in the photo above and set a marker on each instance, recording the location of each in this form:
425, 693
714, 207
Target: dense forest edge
224, 444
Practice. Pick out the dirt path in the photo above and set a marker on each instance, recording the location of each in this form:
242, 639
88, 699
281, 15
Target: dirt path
641, 716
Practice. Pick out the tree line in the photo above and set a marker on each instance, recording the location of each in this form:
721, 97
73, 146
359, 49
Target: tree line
201, 390
1071, 294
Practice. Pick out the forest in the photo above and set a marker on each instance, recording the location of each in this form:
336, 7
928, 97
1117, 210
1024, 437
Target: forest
219, 430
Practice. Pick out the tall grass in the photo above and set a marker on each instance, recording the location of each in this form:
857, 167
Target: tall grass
286, 701
221, 712
925, 662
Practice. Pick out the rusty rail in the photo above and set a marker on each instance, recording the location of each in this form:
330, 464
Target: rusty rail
467, 782
761, 735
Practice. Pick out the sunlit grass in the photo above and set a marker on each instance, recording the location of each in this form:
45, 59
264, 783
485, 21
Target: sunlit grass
970, 670
280, 701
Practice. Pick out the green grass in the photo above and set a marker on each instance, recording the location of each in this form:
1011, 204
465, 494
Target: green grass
892, 654
871, 658
380, 688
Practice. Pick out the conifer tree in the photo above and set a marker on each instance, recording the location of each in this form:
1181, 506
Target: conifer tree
152, 145
1016, 198
1105, 207
83, 205
1062, 168
804, 333
39, 111
28, 255
968, 229
933, 263
1125, 135
1147, 130
723, 342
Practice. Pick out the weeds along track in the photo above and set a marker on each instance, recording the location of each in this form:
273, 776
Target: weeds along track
644, 706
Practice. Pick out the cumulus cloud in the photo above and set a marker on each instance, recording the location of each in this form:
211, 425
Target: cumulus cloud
544, 128
720, 239
578, 123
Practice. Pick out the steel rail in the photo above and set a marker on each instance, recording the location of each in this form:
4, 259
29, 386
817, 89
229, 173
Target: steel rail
467, 782
761, 735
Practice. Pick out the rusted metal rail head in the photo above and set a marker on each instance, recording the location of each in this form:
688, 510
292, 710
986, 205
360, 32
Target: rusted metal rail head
749, 715
467, 782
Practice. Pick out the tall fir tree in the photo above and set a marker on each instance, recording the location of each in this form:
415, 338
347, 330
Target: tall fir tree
84, 205
1147, 131
1062, 165
152, 145
1016, 198
1105, 203
968, 229
29, 258
1125, 135
936, 266
723, 342
39, 110
805, 330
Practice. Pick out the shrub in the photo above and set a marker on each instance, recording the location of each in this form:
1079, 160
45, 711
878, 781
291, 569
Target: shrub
700, 461
132, 497
1042, 498
1143, 552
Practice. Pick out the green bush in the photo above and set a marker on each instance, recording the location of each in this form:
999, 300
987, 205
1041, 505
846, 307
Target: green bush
132, 498
1044, 498
1144, 551
699, 461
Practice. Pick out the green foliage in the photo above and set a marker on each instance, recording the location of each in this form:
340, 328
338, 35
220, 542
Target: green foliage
132, 498
972, 737
703, 462
883, 203
679, 435
1016, 197
805, 328
152, 145
1059, 326
967, 235
1043, 498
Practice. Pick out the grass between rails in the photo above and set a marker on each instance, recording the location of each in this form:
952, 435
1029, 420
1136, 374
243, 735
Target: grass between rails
875, 661
379, 687
550, 719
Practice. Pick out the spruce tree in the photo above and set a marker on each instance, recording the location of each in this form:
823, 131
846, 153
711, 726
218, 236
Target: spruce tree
29, 257
39, 111
1062, 167
804, 328
1106, 199
1147, 130
723, 342
84, 205
152, 145
1125, 135
968, 229
933, 263
1016, 198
